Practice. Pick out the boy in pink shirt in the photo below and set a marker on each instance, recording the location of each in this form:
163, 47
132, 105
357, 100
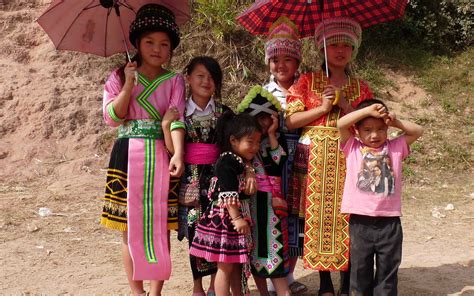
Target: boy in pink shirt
372, 194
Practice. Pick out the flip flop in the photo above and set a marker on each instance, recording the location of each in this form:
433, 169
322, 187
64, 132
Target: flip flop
297, 287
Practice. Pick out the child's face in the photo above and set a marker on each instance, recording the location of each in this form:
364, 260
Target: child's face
339, 54
372, 132
283, 68
247, 146
155, 49
201, 83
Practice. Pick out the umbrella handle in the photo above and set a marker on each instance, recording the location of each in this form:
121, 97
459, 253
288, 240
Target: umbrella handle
117, 12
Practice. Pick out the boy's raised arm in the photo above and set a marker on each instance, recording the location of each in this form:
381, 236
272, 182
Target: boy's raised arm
412, 130
345, 123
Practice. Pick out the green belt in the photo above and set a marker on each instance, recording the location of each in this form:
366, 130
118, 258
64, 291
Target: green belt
141, 128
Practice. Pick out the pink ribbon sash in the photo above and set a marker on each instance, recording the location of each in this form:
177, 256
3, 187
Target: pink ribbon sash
269, 184
201, 153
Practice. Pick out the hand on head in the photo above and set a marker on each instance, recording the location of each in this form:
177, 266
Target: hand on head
377, 111
390, 118
274, 126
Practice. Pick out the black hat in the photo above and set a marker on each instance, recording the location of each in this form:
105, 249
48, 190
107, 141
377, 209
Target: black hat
259, 100
154, 17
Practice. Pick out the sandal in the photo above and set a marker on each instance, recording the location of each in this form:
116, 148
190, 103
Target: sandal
297, 287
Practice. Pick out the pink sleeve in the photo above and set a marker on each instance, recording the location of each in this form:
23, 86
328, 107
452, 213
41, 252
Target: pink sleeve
349, 145
178, 100
399, 146
112, 88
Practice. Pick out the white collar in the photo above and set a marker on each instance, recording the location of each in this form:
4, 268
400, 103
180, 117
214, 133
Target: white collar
191, 107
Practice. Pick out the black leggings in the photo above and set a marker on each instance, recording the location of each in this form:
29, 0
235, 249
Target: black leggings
325, 282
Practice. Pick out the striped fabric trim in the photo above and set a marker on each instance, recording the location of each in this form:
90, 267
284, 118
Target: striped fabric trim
150, 148
177, 124
111, 112
142, 99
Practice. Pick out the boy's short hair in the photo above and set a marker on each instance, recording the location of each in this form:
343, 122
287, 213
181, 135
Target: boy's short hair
367, 103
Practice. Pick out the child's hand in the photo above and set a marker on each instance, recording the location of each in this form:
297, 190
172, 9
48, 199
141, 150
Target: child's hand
250, 181
390, 119
176, 166
171, 115
377, 111
129, 71
274, 126
328, 96
241, 226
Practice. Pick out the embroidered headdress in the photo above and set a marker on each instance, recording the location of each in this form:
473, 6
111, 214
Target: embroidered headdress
283, 39
154, 17
259, 100
339, 30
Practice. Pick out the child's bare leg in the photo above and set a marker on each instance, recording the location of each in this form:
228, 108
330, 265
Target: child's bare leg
261, 284
223, 278
135, 286
212, 283
236, 280
281, 286
197, 286
156, 287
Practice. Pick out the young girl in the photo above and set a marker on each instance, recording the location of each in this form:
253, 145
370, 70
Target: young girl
315, 104
283, 56
223, 234
270, 253
374, 213
204, 78
139, 170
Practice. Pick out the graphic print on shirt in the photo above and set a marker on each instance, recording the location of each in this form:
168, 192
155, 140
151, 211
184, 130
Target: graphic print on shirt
376, 174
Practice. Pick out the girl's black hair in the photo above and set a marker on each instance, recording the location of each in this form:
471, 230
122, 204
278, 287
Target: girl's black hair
229, 124
212, 66
138, 58
367, 103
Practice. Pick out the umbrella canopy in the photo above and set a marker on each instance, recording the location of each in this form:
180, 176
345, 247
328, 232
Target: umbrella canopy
99, 27
306, 14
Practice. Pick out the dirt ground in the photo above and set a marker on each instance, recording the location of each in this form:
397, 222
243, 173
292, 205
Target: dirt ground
69, 253
53, 151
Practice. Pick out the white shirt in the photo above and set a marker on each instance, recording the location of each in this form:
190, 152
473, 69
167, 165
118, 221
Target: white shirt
193, 108
278, 92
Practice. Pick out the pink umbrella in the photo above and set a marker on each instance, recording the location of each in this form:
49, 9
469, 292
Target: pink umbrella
99, 27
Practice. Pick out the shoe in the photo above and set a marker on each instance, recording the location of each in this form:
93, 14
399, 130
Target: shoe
211, 293
297, 287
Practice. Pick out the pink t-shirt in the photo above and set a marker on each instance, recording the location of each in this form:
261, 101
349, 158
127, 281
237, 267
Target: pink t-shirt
374, 178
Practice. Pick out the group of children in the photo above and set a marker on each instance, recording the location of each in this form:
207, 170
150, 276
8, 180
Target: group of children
282, 177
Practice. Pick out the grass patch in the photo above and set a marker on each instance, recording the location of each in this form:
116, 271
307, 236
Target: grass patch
451, 81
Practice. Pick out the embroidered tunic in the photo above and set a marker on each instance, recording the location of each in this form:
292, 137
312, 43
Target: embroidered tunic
137, 185
318, 180
200, 128
216, 239
295, 224
270, 254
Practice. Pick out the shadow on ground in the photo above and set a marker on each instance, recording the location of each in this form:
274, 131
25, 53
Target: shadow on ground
449, 279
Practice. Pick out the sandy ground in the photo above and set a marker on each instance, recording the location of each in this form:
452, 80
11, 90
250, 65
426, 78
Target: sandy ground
69, 253
53, 151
